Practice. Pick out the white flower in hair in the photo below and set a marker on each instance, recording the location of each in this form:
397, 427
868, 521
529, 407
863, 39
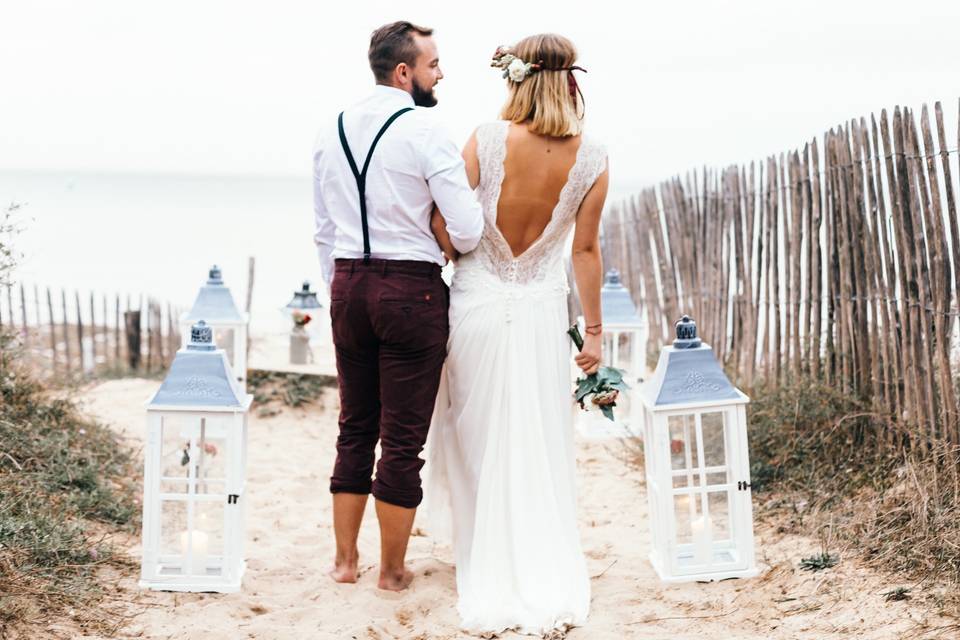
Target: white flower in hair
513, 67
518, 70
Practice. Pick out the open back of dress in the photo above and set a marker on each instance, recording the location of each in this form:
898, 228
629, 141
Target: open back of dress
535, 170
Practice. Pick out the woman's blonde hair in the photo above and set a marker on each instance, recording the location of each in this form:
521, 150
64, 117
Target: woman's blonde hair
544, 99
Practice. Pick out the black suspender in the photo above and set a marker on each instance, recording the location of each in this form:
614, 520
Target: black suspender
361, 176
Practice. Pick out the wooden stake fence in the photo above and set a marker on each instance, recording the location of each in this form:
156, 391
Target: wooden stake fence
83, 338
838, 262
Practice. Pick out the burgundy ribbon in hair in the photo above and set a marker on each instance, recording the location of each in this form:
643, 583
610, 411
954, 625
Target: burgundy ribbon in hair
572, 80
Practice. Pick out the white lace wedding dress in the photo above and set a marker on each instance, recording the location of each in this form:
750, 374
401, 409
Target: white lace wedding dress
500, 451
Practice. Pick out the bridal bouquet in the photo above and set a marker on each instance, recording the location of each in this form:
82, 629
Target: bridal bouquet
598, 390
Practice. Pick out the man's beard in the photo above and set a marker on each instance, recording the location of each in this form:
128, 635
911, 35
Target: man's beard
423, 97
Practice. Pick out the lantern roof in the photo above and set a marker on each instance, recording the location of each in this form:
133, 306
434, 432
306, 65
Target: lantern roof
304, 298
616, 304
199, 376
688, 373
214, 303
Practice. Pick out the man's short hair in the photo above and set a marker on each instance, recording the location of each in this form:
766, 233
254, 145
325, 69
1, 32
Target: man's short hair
392, 44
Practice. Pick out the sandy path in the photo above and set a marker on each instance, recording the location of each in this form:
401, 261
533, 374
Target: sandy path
286, 594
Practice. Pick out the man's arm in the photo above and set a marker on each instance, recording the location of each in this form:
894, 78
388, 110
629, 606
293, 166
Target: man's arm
445, 173
325, 230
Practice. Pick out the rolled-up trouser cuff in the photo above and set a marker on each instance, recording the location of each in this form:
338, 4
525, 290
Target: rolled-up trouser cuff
408, 498
340, 486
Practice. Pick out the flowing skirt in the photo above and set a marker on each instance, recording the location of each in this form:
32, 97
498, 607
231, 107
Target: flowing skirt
501, 457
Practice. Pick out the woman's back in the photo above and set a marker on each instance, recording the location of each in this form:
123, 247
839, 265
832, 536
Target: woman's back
536, 168
530, 187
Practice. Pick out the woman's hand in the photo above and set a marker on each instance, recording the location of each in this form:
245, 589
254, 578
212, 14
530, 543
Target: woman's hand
589, 357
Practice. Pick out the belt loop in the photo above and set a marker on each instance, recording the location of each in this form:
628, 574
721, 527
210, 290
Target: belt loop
353, 264
384, 270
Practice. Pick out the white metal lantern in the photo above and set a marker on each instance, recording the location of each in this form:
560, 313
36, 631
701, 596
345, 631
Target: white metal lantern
303, 303
624, 342
697, 465
214, 305
624, 347
195, 459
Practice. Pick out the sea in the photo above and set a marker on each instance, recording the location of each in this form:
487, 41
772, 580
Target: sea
157, 235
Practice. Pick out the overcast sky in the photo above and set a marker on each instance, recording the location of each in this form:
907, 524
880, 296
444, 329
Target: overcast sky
211, 86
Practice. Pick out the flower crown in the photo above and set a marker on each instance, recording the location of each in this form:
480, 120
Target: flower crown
519, 70
513, 67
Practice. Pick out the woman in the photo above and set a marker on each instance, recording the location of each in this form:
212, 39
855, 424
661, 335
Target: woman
501, 442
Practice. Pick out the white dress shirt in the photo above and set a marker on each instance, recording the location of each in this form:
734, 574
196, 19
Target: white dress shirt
415, 165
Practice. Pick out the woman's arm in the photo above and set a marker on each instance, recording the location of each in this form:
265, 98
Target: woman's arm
471, 161
437, 224
588, 271
439, 227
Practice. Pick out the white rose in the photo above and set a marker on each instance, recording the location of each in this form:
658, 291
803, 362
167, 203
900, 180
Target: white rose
517, 70
588, 403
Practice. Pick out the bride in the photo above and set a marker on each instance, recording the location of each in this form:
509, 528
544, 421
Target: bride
501, 453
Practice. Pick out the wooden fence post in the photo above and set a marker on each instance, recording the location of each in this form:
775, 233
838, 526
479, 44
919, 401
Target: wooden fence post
53, 331
131, 323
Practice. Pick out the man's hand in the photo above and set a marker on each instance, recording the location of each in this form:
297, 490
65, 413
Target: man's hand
589, 357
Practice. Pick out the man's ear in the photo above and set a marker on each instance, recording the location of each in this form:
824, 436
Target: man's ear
402, 72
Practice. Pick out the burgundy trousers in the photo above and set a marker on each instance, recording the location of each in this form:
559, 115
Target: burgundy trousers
390, 331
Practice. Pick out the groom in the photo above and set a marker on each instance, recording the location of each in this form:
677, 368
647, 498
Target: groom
378, 170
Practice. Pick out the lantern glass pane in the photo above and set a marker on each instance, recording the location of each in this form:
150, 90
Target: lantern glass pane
174, 447
223, 338
211, 455
622, 349
684, 511
683, 442
194, 449
174, 485
717, 478
714, 440
210, 521
718, 502
173, 521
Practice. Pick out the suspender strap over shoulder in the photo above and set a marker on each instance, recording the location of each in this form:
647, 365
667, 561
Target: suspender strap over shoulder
361, 176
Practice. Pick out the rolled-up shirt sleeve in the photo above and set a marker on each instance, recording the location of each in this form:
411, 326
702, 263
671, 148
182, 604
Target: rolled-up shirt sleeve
325, 230
445, 173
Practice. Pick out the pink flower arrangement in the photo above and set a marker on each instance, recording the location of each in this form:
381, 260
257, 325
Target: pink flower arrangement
301, 319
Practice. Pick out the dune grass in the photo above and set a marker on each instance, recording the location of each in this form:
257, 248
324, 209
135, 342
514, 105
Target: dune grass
832, 466
67, 485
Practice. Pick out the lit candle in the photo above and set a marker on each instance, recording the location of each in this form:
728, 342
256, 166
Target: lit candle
701, 540
195, 541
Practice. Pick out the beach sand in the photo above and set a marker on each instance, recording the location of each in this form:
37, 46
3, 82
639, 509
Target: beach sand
286, 593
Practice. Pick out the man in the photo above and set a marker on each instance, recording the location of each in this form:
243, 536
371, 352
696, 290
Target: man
378, 170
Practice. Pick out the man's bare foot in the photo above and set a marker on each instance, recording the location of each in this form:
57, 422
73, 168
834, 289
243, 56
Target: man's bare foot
394, 581
344, 570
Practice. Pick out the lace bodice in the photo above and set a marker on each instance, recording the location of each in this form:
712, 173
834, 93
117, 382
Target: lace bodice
543, 260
